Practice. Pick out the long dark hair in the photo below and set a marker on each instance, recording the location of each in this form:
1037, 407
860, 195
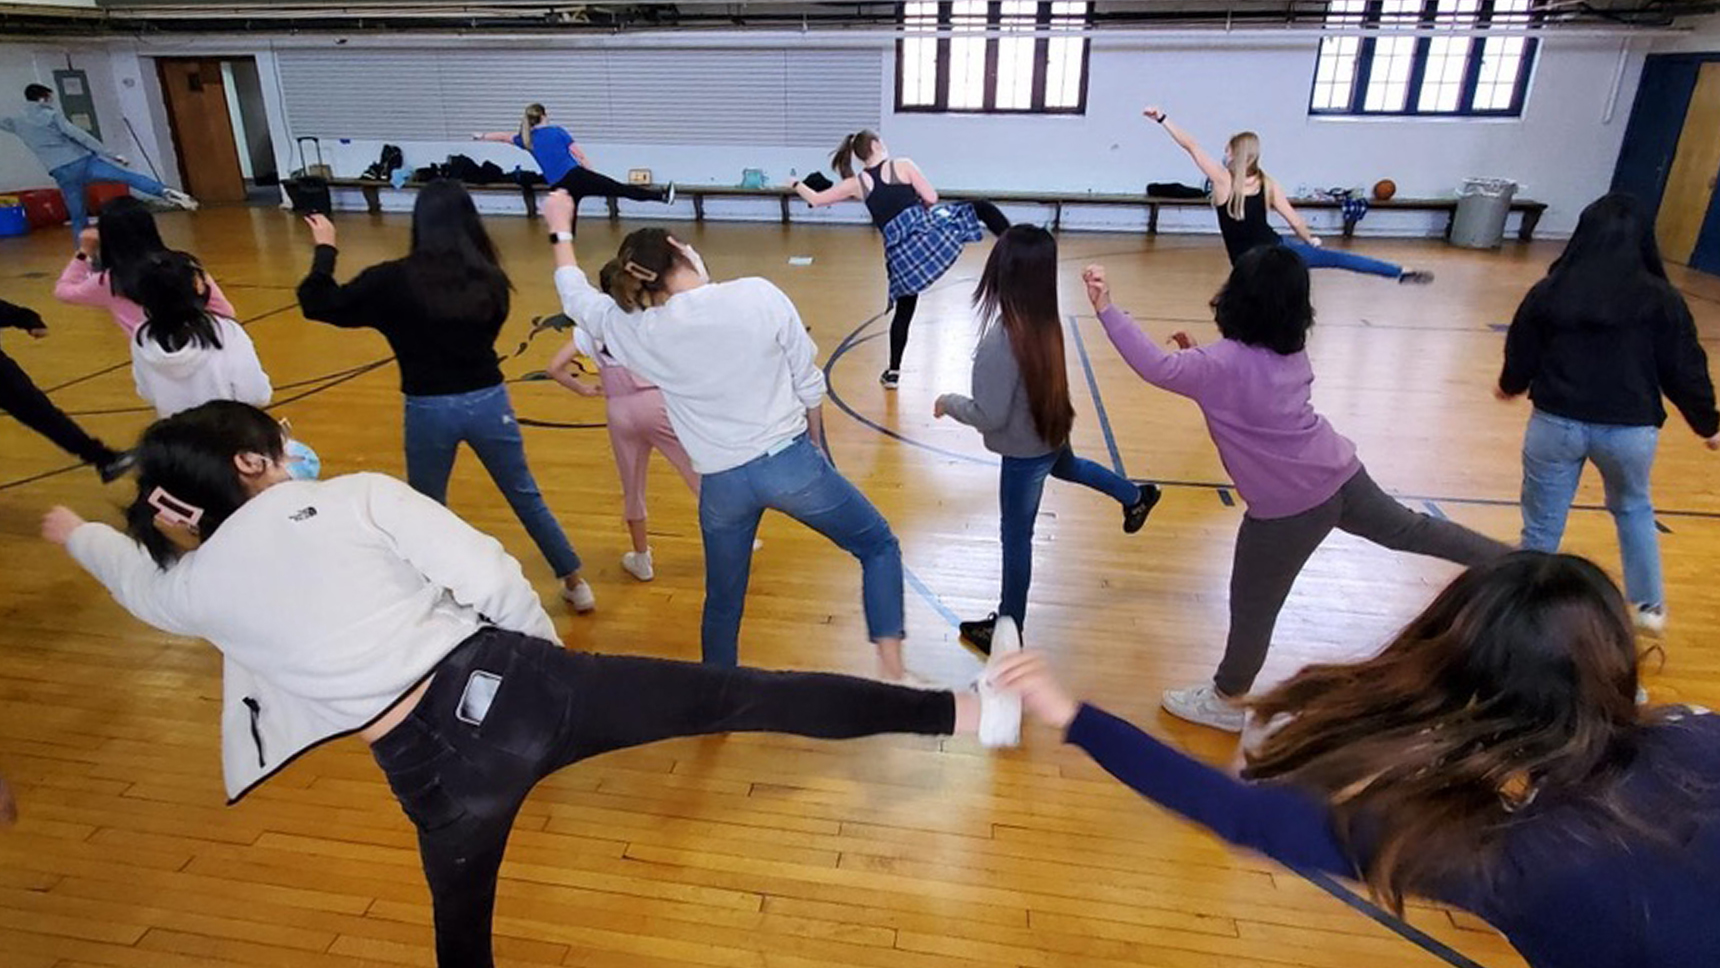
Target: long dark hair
453, 264
854, 147
189, 456
1266, 301
1610, 269
1517, 684
175, 305
1018, 290
129, 239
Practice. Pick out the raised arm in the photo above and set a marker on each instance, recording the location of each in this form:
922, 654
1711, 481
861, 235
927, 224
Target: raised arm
321, 297
474, 567
1208, 166
13, 316
589, 308
1281, 204
80, 284
503, 137
1188, 372
848, 189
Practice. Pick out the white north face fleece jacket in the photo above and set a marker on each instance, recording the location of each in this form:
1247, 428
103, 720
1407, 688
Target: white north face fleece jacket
329, 600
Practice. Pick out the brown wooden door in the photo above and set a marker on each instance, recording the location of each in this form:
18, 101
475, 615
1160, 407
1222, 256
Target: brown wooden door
202, 129
1690, 184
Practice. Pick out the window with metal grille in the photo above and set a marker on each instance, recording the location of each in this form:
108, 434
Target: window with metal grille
993, 56
1465, 57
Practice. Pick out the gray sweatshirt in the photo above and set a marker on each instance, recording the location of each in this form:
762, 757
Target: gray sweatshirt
999, 408
56, 141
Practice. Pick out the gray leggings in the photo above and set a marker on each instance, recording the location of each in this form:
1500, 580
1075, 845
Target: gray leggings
1270, 554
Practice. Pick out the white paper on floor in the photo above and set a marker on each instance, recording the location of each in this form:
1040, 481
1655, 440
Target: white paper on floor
800, 260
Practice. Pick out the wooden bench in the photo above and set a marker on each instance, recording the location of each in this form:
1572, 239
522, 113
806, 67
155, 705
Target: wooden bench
1529, 210
372, 189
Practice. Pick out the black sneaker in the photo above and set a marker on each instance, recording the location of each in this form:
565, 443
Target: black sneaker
977, 635
1135, 514
115, 467
890, 379
1415, 277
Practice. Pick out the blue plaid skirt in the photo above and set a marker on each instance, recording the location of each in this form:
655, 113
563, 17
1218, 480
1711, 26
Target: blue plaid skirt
922, 243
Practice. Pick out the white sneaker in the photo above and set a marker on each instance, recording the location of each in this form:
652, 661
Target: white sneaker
580, 597
999, 711
1649, 618
638, 564
1202, 704
180, 199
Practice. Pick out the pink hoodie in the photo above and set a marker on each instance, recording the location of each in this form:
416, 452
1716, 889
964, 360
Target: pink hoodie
81, 285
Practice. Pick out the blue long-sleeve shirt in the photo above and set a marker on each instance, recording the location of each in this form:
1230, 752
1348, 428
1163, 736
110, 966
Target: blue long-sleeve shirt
56, 141
1564, 897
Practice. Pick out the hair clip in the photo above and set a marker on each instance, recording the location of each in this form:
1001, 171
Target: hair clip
172, 510
639, 272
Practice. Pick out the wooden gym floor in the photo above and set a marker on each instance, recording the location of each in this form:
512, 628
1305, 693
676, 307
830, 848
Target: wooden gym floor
772, 851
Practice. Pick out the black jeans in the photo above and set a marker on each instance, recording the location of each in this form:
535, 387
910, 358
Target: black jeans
582, 182
461, 769
21, 398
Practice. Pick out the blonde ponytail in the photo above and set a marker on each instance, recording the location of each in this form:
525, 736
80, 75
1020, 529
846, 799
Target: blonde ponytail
856, 146
534, 116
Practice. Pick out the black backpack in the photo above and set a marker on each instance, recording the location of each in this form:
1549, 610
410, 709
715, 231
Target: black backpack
390, 159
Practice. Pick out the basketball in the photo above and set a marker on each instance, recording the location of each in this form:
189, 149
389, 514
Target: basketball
1384, 189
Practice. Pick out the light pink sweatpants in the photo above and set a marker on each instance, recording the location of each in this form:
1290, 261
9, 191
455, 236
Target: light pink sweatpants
639, 421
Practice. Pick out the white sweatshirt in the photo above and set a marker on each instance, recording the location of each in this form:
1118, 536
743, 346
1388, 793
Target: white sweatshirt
329, 600
194, 375
737, 369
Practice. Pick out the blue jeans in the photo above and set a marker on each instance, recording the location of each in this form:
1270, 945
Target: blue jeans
1554, 449
1320, 257
1019, 487
798, 481
78, 175
484, 419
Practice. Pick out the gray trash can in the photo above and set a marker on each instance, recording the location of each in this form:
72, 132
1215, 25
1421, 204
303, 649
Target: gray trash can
1482, 207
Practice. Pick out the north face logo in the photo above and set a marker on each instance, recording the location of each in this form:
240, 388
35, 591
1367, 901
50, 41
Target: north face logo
303, 514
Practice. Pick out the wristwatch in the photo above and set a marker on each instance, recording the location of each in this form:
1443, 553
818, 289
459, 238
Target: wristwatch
81, 256
555, 237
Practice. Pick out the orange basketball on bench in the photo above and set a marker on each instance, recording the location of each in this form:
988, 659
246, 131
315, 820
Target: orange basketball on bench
1384, 189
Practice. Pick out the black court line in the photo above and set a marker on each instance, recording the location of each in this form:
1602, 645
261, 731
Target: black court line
1428, 943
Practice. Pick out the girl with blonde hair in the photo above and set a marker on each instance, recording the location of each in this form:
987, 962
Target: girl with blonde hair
1241, 194
564, 164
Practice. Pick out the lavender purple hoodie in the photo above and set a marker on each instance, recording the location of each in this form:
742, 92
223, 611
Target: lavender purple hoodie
1283, 457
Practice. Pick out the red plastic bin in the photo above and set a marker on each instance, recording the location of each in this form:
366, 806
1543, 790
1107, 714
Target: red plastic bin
100, 193
44, 207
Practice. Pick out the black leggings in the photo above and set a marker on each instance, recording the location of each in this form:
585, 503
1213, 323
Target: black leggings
994, 220
582, 182
21, 398
462, 783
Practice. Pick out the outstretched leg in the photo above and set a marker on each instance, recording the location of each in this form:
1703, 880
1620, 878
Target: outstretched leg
1368, 512
1320, 257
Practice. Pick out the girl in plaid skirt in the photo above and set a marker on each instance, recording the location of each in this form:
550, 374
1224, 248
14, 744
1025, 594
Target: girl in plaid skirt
922, 236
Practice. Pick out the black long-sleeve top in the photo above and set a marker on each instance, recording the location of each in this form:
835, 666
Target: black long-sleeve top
19, 317
438, 356
1610, 364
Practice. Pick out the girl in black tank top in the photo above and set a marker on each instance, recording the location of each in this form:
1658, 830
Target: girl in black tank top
922, 236
1247, 228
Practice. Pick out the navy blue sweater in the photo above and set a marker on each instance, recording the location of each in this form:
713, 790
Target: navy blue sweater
1565, 899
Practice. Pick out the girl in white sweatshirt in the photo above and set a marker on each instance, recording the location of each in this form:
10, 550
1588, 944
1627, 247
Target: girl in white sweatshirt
357, 605
183, 354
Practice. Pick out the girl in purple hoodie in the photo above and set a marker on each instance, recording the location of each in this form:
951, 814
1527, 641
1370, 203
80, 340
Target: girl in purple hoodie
1299, 477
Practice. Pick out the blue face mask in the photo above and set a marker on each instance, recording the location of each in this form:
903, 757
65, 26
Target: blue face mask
302, 463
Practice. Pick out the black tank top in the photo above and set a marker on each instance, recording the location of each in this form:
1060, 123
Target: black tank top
1251, 230
888, 199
